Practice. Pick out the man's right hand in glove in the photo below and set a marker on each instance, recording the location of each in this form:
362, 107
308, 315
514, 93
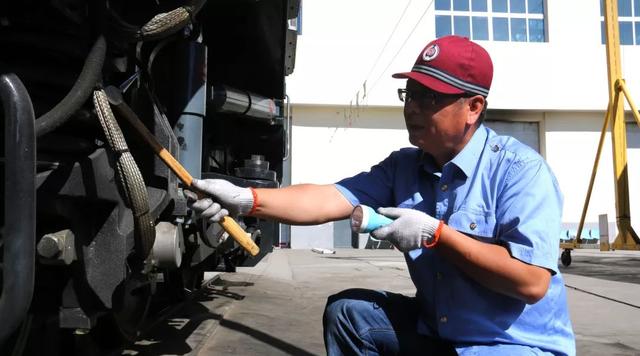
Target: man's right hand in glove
224, 198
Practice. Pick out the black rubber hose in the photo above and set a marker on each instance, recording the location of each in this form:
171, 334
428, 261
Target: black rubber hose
19, 205
81, 91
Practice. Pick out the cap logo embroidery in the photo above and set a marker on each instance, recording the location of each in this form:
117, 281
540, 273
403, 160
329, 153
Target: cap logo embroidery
431, 53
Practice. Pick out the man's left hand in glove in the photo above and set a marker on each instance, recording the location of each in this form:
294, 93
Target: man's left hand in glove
410, 230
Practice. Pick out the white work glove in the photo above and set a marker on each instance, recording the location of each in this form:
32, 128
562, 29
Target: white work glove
235, 200
409, 228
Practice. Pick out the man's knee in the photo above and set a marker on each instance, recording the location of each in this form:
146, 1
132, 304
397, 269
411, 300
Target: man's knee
339, 305
350, 303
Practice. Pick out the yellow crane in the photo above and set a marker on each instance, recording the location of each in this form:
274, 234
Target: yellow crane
627, 239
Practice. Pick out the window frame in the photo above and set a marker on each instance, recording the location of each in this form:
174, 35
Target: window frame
490, 15
633, 20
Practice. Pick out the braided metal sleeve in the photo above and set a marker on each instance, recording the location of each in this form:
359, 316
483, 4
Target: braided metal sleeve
129, 176
166, 23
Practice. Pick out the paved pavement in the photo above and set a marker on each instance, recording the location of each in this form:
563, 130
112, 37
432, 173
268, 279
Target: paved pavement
276, 307
603, 290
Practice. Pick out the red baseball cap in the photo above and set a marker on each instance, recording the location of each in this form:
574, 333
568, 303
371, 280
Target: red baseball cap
453, 65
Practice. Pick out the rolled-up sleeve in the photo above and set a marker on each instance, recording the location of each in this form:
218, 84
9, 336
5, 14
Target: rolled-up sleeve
375, 187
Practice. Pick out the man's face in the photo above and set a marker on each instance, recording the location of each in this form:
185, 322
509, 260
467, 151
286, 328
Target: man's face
437, 123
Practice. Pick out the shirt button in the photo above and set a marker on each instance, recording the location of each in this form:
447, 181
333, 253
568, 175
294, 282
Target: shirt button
495, 148
443, 319
473, 226
444, 187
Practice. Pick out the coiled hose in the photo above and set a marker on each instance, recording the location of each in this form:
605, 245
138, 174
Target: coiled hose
131, 180
89, 76
19, 205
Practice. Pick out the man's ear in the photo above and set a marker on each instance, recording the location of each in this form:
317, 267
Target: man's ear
475, 105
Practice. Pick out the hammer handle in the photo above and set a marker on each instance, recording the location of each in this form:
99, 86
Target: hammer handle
227, 223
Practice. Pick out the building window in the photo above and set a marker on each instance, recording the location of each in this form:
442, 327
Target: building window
628, 22
492, 20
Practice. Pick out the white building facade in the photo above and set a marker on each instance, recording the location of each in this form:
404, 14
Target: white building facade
549, 89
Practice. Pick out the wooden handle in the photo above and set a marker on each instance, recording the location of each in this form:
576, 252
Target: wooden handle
175, 167
227, 223
241, 237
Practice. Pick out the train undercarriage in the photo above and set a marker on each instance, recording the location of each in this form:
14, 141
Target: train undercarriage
97, 237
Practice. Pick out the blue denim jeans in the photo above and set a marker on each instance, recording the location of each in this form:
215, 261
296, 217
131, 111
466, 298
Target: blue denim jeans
367, 322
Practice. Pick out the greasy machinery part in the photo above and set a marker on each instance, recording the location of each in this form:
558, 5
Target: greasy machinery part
19, 205
229, 225
89, 76
57, 248
168, 248
191, 99
103, 243
160, 26
256, 168
229, 100
132, 181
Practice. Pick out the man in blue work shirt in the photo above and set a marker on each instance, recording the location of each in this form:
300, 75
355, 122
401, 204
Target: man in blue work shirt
477, 216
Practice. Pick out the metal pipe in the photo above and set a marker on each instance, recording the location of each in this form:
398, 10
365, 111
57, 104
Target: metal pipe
287, 128
19, 204
622, 86
229, 100
192, 101
627, 237
594, 171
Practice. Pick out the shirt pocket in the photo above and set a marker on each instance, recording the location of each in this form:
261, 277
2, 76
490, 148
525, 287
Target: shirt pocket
481, 225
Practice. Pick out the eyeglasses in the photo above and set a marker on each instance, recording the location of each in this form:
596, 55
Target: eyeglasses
425, 98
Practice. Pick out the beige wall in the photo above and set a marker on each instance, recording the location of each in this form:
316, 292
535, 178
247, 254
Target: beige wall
330, 143
571, 143
342, 46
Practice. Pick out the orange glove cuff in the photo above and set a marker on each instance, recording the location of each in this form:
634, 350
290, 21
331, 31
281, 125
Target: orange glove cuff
436, 236
254, 206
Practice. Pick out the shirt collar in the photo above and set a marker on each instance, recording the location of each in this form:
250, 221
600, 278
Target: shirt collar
429, 164
467, 159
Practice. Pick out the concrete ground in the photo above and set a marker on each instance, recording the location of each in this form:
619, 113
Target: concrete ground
276, 307
603, 289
